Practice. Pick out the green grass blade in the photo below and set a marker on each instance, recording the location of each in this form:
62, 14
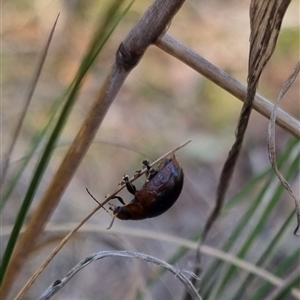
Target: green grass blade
243, 223
267, 254
36, 140
282, 270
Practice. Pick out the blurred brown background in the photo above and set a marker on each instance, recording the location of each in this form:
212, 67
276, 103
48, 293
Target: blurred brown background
162, 104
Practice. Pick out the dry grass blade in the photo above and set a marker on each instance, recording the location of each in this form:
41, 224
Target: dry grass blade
31, 281
58, 284
27, 102
272, 146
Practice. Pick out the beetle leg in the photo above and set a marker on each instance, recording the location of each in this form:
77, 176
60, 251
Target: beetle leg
137, 173
119, 198
146, 164
130, 187
150, 171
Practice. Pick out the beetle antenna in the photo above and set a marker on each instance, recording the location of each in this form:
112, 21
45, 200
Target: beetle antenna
111, 223
97, 201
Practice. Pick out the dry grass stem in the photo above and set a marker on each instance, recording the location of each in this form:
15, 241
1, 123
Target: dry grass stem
226, 82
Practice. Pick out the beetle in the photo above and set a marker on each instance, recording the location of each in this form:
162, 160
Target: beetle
159, 192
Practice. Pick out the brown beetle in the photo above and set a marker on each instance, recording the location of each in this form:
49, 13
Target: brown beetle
159, 192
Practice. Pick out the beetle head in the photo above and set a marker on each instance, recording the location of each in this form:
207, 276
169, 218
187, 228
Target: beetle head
122, 213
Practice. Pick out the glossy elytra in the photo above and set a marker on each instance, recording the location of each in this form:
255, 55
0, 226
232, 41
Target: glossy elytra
159, 192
